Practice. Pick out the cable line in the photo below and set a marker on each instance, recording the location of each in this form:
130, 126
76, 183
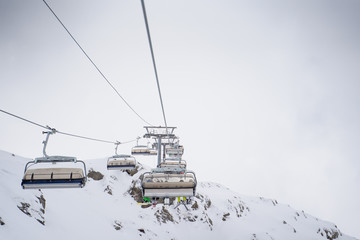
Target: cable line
39, 125
92, 62
78, 136
153, 59
68, 134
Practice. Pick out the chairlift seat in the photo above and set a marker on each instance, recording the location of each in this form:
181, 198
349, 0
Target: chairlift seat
168, 185
173, 162
50, 177
189, 184
166, 193
140, 150
121, 162
174, 150
53, 178
153, 151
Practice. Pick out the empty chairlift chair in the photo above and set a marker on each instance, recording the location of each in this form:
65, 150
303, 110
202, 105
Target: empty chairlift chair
172, 163
46, 175
54, 177
140, 150
153, 151
121, 162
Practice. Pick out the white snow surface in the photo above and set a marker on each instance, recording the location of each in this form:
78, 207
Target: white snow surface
93, 213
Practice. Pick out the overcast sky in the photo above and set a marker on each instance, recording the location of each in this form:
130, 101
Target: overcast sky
265, 94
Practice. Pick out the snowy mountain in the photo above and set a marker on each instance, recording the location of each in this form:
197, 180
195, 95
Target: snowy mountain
106, 208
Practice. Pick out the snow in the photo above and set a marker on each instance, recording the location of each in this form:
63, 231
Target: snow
93, 213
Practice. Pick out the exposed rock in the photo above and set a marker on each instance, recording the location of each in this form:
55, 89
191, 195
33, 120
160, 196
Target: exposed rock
42, 201
237, 205
331, 234
163, 215
240, 209
25, 208
35, 211
134, 171
225, 216
113, 178
41, 221
210, 222
1, 222
135, 191
95, 175
117, 225
208, 203
141, 230
195, 206
108, 190
204, 199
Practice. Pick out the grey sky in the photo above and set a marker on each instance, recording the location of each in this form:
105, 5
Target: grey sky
265, 94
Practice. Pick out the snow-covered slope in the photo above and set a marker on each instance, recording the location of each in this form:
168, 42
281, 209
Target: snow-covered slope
106, 208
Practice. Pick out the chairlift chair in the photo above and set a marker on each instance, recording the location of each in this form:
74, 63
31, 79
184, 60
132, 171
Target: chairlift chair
153, 151
167, 184
174, 151
121, 162
140, 150
173, 162
53, 177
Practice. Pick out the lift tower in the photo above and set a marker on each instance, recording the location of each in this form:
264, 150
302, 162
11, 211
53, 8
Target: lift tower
159, 133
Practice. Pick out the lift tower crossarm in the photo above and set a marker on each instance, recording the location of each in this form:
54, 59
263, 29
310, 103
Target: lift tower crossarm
159, 133
163, 132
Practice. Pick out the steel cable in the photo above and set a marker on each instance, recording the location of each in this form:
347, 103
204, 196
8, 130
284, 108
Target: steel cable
92, 62
153, 59
64, 133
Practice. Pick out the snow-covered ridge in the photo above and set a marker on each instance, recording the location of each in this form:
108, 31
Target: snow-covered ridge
106, 207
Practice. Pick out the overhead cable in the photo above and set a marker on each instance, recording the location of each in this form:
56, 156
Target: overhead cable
153, 59
92, 62
39, 125
64, 133
78, 136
